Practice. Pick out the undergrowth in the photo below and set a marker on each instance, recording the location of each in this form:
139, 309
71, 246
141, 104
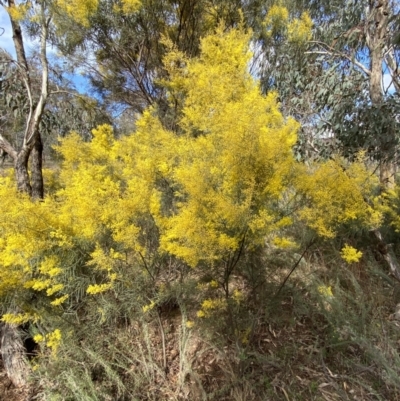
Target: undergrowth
328, 334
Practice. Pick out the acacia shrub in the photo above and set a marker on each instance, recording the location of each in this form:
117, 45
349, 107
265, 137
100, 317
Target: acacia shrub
223, 184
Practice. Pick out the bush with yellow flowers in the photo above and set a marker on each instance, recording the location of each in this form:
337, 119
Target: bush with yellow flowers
221, 185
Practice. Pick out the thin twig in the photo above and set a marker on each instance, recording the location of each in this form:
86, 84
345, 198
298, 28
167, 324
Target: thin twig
163, 342
145, 266
333, 52
294, 267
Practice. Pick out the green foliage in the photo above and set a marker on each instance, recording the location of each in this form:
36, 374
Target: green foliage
325, 83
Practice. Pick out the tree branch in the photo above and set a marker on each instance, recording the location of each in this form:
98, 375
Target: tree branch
393, 68
332, 52
21, 62
32, 129
312, 242
7, 147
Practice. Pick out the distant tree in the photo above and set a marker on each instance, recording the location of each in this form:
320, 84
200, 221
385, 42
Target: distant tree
38, 102
31, 141
343, 83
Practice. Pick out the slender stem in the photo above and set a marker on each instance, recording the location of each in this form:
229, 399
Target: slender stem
294, 267
163, 342
7, 147
146, 267
230, 266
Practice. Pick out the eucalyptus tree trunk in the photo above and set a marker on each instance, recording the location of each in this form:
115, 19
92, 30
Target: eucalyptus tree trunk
21, 171
12, 348
37, 169
377, 38
32, 144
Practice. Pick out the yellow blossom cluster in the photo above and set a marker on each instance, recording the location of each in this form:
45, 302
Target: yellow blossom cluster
325, 291
350, 254
102, 261
211, 305
284, 243
51, 340
237, 296
299, 30
149, 307
189, 324
337, 193
79, 10
18, 12
127, 6
276, 19
296, 30
20, 318
389, 205
49, 269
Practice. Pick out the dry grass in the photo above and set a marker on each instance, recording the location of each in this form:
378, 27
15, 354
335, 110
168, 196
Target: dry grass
301, 346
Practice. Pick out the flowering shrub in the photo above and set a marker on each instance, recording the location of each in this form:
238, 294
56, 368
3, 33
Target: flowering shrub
225, 182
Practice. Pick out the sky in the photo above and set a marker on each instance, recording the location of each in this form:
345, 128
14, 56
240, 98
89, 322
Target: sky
5, 32
6, 43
